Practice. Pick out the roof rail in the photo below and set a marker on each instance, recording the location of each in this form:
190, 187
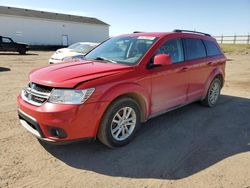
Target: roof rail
188, 31
138, 32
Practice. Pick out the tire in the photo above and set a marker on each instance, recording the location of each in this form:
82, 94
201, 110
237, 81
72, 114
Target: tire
22, 51
213, 93
114, 122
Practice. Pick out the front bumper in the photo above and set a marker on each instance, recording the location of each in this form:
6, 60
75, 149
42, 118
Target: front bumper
77, 121
31, 125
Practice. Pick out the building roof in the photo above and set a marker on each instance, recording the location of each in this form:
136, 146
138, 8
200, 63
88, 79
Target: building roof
49, 15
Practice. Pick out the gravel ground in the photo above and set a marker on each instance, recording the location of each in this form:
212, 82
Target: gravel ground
193, 146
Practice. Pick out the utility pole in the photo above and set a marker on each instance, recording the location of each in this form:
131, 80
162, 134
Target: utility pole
234, 38
248, 38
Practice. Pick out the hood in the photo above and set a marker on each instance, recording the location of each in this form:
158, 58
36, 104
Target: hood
62, 50
23, 44
60, 56
68, 75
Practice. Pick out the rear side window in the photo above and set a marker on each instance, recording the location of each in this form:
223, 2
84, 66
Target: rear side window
212, 48
174, 48
194, 48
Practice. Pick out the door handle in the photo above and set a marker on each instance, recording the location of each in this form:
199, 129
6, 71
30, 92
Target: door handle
184, 69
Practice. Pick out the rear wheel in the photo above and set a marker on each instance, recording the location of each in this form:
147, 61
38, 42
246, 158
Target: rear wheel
22, 51
213, 93
119, 123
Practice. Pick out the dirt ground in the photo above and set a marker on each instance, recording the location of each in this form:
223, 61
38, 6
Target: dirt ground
193, 146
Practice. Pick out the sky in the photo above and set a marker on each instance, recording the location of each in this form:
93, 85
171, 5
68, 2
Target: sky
216, 17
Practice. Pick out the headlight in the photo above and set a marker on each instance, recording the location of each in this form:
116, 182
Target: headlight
73, 58
68, 58
70, 96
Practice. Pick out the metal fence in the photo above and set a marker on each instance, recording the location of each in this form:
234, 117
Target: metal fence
234, 39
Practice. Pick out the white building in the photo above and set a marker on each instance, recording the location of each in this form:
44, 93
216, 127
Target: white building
47, 28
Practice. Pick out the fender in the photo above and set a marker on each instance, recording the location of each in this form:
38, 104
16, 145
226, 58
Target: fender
127, 89
214, 73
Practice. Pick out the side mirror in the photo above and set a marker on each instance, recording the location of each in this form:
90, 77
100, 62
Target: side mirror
162, 59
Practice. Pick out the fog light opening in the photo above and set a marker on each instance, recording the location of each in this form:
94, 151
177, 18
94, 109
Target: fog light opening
57, 132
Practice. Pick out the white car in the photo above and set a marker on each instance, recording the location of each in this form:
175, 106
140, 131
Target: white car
73, 52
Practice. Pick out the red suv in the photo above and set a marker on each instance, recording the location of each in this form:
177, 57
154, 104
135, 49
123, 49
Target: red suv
123, 82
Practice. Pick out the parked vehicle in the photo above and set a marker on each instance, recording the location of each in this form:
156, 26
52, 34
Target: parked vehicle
75, 51
8, 45
122, 83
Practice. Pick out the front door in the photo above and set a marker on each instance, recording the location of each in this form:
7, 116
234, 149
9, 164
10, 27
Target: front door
7, 44
169, 83
65, 40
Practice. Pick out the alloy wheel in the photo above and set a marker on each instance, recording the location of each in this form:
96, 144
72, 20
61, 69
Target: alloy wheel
123, 123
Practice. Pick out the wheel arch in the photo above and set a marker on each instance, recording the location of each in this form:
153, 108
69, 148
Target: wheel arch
132, 90
139, 100
220, 77
217, 73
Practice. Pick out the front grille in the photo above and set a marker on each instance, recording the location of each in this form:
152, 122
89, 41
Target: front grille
36, 94
40, 88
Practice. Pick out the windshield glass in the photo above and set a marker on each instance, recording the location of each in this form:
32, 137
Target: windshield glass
84, 48
126, 49
73, 46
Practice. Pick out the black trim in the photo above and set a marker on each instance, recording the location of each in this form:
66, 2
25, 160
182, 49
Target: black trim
65, 142
30, 121
184, 51
151, 66
204, 46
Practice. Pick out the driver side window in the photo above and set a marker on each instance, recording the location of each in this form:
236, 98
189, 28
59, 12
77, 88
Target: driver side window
174, 48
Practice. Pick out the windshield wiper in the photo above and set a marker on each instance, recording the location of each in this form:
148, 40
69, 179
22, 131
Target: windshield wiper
105, 59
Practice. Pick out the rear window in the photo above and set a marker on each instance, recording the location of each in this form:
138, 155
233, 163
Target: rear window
194, 48
212, 48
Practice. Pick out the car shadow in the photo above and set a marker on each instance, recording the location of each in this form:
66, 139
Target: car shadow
4, 69
175, 145
14, 53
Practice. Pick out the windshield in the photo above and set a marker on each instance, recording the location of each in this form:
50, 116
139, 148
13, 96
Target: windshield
73, 46
126, 49
84, 48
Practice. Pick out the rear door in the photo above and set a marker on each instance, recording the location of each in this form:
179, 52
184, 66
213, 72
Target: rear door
199, 69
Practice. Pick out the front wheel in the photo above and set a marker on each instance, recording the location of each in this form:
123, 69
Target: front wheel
119, 123
213, 93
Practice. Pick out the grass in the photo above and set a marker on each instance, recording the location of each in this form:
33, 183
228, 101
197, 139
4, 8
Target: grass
231, 48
